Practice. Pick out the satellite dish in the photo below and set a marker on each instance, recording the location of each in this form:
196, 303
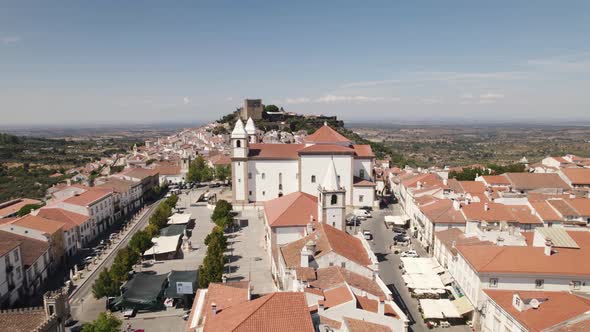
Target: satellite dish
535, 303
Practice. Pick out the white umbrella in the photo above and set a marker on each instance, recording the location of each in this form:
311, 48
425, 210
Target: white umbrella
71, 274
75, 269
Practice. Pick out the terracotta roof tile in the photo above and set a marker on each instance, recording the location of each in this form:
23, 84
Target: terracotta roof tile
70, 219
336, 296
11, 207
473, 186
532, 181
293, 209
117, 185
30, 249
524, 215
356, 325
22, 320
325, 134
326, 148
555, 308
545, 211
284, 311
332, 276
496, 212
39, 223
530, 260
363, 151
453, 237
274, 151
496, 180
443, 211
577, 176
88, 197
371, 305
358, 182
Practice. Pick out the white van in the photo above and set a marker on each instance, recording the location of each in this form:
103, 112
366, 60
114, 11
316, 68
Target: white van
362, 213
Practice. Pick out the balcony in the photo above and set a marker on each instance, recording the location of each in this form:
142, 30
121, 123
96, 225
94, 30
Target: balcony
9, 268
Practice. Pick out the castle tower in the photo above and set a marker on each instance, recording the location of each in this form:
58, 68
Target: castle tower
239, 169
251, 130
331, 200
185, 162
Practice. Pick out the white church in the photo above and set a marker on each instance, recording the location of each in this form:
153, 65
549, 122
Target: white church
261, 172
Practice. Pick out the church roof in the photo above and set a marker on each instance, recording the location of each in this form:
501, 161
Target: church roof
293, 209
274, 151
250, 127
239, 131
331, 178
326, 134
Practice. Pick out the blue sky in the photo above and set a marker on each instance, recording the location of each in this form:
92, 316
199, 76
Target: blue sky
82, 62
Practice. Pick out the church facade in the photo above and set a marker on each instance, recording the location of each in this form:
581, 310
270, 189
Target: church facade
261, 172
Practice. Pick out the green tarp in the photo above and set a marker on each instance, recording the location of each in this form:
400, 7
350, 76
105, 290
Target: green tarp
180, 276
144, 292
173, 230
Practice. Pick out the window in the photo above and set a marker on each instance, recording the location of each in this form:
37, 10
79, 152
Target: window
576, 285
362, 174
280, 186
250, 192
539, 283
249, 175
238, 144
280, 178
331, 263
16, 256
338, 179
493, 282
313, 179
263, 193
263, 176
343, 265
18, 272
361, 197
334, 200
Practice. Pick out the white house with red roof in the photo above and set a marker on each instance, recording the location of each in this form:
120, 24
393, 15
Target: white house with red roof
261, 172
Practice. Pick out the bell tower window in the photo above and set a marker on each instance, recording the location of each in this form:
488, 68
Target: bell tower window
238, 144
334, 199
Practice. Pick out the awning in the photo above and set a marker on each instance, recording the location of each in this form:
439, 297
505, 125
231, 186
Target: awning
423, 281
173, 230
144, 291
179, 218
446, 278
181, 283
463, 305
438, 269
396, 220
163, 244
439, 309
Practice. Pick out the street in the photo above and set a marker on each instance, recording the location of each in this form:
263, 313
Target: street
390, 273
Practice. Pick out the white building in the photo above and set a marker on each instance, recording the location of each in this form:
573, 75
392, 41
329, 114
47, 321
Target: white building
261, 172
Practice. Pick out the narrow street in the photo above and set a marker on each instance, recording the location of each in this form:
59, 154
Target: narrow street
84, 307
390, 273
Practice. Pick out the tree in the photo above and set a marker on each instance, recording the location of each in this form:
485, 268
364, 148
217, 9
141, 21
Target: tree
105, 322
171, 201
140, 242
271, 108
222, 172
222, 208
199, 171
105, 285
123, 263
152, 230
27, 209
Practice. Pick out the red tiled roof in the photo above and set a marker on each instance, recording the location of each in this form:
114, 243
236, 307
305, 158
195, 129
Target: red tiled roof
531, 260
496, 180
326, 148
358, 182
336, 296
495, 212
329, 277
285, 311
453, 237
13, 206
577, 176
363, 151
167, 168
545, 211
473, 186
293, 209
582, 205
88, 197
7, 246
371, 305
532, 181
555, 308
356, 325
38, 223
70, 219
524, 215
328, 239
274, 151
30, 249
325, 134
443, 212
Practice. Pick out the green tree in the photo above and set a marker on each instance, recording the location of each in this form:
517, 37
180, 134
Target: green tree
27, 209
123, 263
222, 172
199, 171
271, 108
140, 242
222, 209
171, 201
105, 285
152, 230
105, 322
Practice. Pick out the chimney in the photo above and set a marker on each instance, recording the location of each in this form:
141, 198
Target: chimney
486, 206
548, 247
381, 307
456, 205
309, 227
453, 244
213, 308
69, 182
572, 195
419, 184
320, 306
445, 182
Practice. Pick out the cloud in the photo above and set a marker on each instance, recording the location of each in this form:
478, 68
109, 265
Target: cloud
338, 99
186, 101
431, 101
442, 76
9, 39
563, 63
299, 100
484, 98
229, 99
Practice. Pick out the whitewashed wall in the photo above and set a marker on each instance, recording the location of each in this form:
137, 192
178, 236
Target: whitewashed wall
268, 188
317, 165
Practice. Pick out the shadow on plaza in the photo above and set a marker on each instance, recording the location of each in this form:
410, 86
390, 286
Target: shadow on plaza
397, 298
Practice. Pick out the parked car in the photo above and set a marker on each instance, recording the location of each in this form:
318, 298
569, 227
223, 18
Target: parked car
88, 259
368, 236
362, 213
353, 222
214, 185
398, 230
401, 238
410, 253
367, 208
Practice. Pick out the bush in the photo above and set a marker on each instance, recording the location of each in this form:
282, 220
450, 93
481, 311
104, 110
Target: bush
105, 285
105, 322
